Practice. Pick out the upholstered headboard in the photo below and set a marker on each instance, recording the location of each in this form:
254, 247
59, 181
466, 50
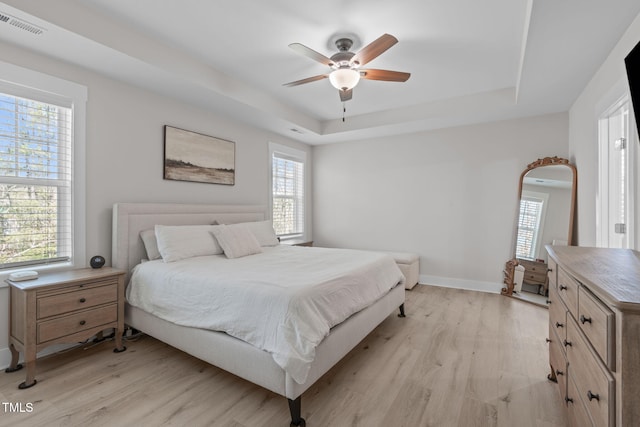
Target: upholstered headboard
129, 219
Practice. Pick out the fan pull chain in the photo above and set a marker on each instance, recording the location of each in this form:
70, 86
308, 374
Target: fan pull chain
344, 110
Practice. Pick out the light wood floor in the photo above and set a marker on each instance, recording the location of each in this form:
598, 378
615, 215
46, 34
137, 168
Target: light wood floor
459, 358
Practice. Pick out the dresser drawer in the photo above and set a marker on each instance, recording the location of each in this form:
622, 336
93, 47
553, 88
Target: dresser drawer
598, 324
80, 321
70, 301
558, 362
577, 413
568, 291
552, 273
557, 315
594, 383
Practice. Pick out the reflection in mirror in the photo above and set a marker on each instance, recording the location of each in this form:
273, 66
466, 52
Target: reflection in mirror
544, 217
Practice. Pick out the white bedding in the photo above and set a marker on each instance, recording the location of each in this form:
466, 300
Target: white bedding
283, 300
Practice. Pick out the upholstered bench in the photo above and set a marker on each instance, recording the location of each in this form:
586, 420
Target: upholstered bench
409, 264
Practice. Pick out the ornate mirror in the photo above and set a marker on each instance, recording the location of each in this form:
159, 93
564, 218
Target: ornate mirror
546, 205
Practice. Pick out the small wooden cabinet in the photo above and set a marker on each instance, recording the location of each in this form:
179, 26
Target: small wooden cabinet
535, 273
65, 307
594, 333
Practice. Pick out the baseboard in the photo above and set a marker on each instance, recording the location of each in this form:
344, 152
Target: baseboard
5, 357
451, 282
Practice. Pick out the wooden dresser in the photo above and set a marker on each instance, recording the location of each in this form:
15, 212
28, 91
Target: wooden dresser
535, 273
65, 307
594, 333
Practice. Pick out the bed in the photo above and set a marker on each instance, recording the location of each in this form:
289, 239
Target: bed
232, 354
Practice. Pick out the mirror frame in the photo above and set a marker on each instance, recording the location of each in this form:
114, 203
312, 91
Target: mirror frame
511, 264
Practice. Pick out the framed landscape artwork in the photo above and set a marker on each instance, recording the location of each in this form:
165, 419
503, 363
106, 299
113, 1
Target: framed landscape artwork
190, 156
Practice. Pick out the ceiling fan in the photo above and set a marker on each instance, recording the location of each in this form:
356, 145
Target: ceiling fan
345, 65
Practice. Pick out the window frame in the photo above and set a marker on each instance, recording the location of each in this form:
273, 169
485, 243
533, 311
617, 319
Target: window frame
542, 198
295, 155
26, 83
603, 197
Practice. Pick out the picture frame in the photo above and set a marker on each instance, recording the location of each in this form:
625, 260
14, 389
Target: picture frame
194, 157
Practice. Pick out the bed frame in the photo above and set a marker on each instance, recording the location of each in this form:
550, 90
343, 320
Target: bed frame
217, 348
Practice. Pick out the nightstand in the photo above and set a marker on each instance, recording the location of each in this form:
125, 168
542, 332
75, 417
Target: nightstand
65, 307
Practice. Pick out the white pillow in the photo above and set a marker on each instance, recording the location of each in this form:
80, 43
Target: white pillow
150, 244
176, 242
263, 231
236, 240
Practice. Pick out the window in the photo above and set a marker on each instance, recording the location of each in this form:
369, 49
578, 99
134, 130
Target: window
287, 190
35, 182
41, 202
530, 220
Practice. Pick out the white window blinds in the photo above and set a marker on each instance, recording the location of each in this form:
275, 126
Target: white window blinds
288, 194
35, 182
528, 227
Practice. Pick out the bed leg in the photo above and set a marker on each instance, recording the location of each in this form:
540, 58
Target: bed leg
401, 310
295, 407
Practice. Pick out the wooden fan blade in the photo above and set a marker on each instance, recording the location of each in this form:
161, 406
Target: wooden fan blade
374, 49
307, 80
385, 75
310, 53
345, 95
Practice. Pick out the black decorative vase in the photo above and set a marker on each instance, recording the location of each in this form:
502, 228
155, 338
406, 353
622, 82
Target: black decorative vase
97, 261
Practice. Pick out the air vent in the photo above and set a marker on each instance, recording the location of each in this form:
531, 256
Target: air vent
20, 23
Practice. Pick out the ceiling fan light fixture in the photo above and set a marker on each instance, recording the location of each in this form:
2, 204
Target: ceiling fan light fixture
344, 78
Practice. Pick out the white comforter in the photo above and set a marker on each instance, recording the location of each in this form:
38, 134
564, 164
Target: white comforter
284, 300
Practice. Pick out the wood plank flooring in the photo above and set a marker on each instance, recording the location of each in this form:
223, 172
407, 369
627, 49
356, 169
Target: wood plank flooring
459, 358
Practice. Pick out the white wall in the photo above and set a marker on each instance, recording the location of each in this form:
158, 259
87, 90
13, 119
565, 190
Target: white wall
449, 195
124, 159
607, 85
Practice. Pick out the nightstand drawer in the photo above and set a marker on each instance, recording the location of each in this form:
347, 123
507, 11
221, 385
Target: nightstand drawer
76, 300
83, 320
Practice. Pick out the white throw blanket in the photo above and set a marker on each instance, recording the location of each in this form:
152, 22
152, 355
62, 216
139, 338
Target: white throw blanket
284, 300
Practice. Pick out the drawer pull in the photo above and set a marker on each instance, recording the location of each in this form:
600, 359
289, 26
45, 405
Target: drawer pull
592, 396
548, 301
549, 270
559, 372
584, 320
83, 300
568, 399
559, 325
567, 343
547, 340
82, 322
563, 288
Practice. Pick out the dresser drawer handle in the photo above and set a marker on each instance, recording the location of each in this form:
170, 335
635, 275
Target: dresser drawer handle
563, 288
567, 343
559, 372
548, 301
549, 270
83, 300
568, 399
82, 322
547, 340
584, 320
559, 325
592, 396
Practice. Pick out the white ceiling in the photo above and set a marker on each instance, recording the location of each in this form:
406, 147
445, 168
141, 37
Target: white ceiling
470, 61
